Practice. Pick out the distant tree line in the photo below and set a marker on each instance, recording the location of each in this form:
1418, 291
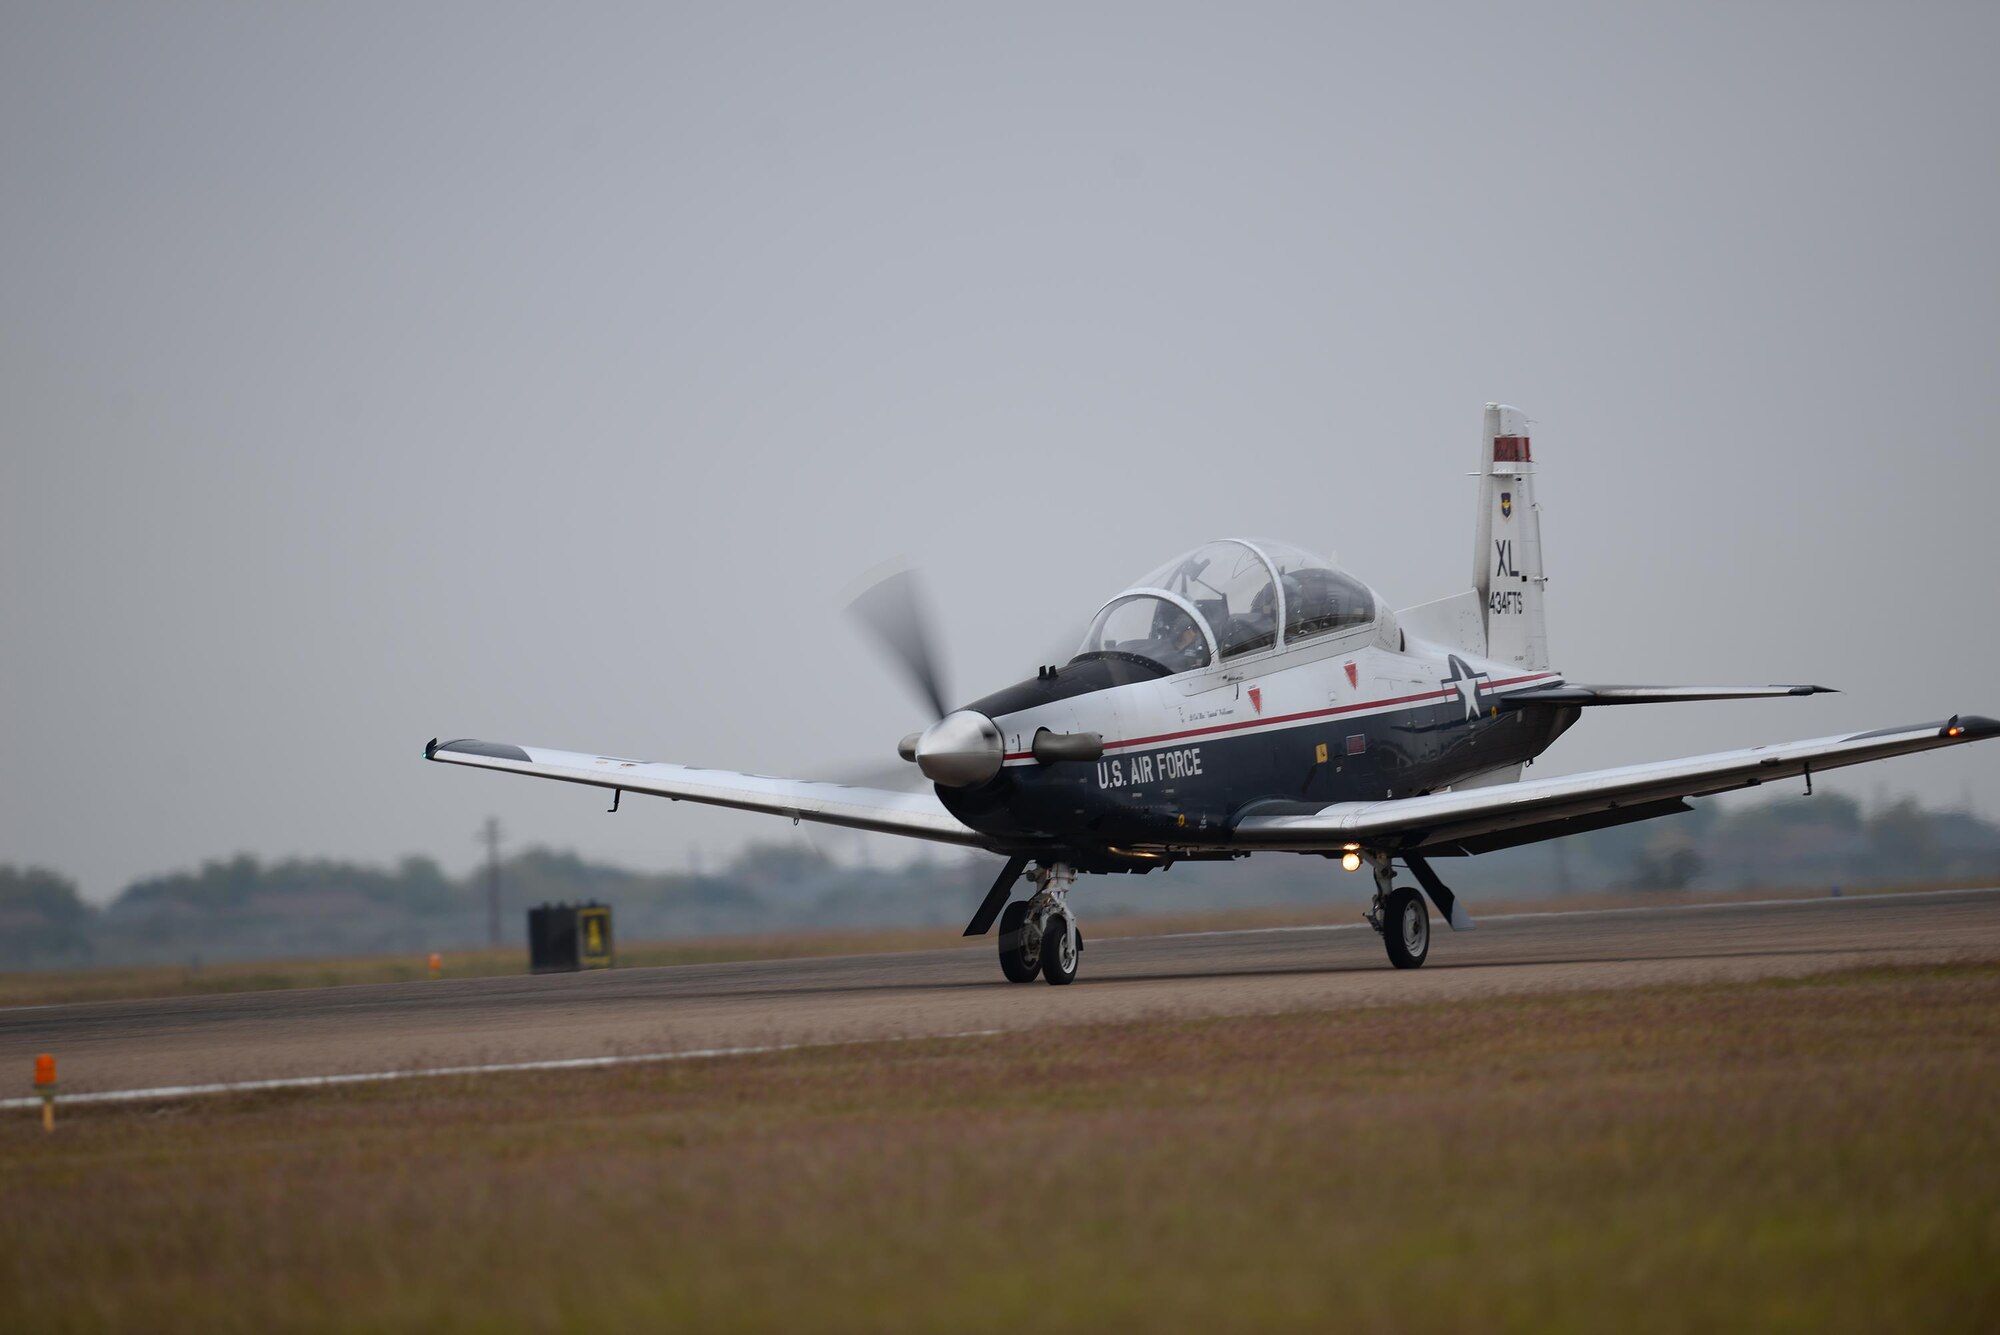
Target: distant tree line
243, 907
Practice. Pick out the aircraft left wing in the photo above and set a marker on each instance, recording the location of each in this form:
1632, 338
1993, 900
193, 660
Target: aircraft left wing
1478, 820
885, 811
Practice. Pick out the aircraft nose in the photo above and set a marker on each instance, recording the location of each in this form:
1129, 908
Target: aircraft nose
960, 750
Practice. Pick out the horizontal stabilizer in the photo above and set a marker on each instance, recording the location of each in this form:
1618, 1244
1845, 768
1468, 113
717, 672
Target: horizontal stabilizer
1579, 694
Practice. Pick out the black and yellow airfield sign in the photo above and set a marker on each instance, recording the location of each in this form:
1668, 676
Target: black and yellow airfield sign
593, 938
562, 937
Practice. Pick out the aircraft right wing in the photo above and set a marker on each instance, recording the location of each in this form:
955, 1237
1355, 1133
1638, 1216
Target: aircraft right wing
885, 811
1479, 820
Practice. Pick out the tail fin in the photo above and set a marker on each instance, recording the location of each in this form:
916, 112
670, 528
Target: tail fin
1507, 563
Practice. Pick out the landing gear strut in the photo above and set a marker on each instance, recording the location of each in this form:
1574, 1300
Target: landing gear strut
1039, 934
1399, 913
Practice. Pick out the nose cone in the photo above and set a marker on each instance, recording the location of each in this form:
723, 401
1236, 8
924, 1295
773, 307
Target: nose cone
960, 750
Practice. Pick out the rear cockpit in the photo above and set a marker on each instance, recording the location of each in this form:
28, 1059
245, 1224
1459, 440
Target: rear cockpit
1226, 599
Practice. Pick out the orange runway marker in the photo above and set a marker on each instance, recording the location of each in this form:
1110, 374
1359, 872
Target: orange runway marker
45, 1085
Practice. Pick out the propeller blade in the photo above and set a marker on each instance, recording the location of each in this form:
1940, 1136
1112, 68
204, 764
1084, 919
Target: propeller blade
898, 776
892, 610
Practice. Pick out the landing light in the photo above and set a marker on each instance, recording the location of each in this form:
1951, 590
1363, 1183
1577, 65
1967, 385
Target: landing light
1350, 861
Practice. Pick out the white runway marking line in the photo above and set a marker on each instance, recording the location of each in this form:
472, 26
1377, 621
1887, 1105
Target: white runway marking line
166, 1092
1580, 913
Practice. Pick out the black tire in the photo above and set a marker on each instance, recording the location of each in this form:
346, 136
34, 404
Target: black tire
1020, 948
1406, 928
1060, 951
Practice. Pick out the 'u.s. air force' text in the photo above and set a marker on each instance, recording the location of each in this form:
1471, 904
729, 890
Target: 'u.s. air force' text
1157, 767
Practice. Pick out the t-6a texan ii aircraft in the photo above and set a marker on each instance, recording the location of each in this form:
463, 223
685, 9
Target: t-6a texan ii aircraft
1250, 698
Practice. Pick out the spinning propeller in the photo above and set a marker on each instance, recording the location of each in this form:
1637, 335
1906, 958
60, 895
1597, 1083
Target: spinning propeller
962, 749
892, 609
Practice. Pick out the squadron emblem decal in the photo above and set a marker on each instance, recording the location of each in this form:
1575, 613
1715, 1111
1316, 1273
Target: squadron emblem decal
1506, 505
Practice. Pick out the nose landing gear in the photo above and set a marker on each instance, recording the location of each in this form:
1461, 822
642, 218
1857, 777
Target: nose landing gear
1039, 934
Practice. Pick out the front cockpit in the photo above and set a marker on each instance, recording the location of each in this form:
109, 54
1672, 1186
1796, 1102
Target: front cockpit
1153, 629
1223, 600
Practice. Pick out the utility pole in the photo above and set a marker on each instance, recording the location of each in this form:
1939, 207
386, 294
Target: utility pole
491, 834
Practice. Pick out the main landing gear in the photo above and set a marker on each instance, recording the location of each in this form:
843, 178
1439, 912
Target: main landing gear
1038, 935
1399, 913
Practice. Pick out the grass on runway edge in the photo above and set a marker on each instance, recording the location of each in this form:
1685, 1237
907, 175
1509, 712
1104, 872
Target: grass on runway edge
1818, 1154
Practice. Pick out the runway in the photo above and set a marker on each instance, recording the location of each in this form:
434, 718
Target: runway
418, 1026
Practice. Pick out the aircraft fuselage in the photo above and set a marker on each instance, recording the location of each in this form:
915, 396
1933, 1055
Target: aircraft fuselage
1187, 754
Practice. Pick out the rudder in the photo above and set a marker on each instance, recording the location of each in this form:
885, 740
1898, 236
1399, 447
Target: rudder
1507, 570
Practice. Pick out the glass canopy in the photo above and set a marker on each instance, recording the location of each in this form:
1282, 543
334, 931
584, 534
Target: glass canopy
1225, 600
1230, 586
1144, 625
1318, 598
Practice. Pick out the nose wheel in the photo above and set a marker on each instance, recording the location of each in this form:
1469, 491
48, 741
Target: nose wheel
1062, 948
1039, 935
1020, 945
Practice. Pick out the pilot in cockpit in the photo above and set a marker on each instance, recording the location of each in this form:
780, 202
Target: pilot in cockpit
1175, 642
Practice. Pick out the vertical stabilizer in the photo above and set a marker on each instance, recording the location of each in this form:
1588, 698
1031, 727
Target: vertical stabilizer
1507, 569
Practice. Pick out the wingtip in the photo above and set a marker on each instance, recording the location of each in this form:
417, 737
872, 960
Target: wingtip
1970, 727
472, 746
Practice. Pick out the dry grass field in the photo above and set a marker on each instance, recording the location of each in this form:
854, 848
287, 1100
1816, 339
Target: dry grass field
1807, 1155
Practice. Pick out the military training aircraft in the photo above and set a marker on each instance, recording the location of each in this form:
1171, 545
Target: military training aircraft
1248, 697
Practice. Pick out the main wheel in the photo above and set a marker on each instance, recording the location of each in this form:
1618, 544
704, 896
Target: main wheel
1059, 950
1406, 928
1020, 944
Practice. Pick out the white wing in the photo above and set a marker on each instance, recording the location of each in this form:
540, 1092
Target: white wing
919, 815
1580, 693
1479, 820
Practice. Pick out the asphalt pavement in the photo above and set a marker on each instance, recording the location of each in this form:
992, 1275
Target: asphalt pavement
418, 1025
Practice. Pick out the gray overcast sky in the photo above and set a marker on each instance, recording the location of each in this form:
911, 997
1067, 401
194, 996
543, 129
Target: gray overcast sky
546, 373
